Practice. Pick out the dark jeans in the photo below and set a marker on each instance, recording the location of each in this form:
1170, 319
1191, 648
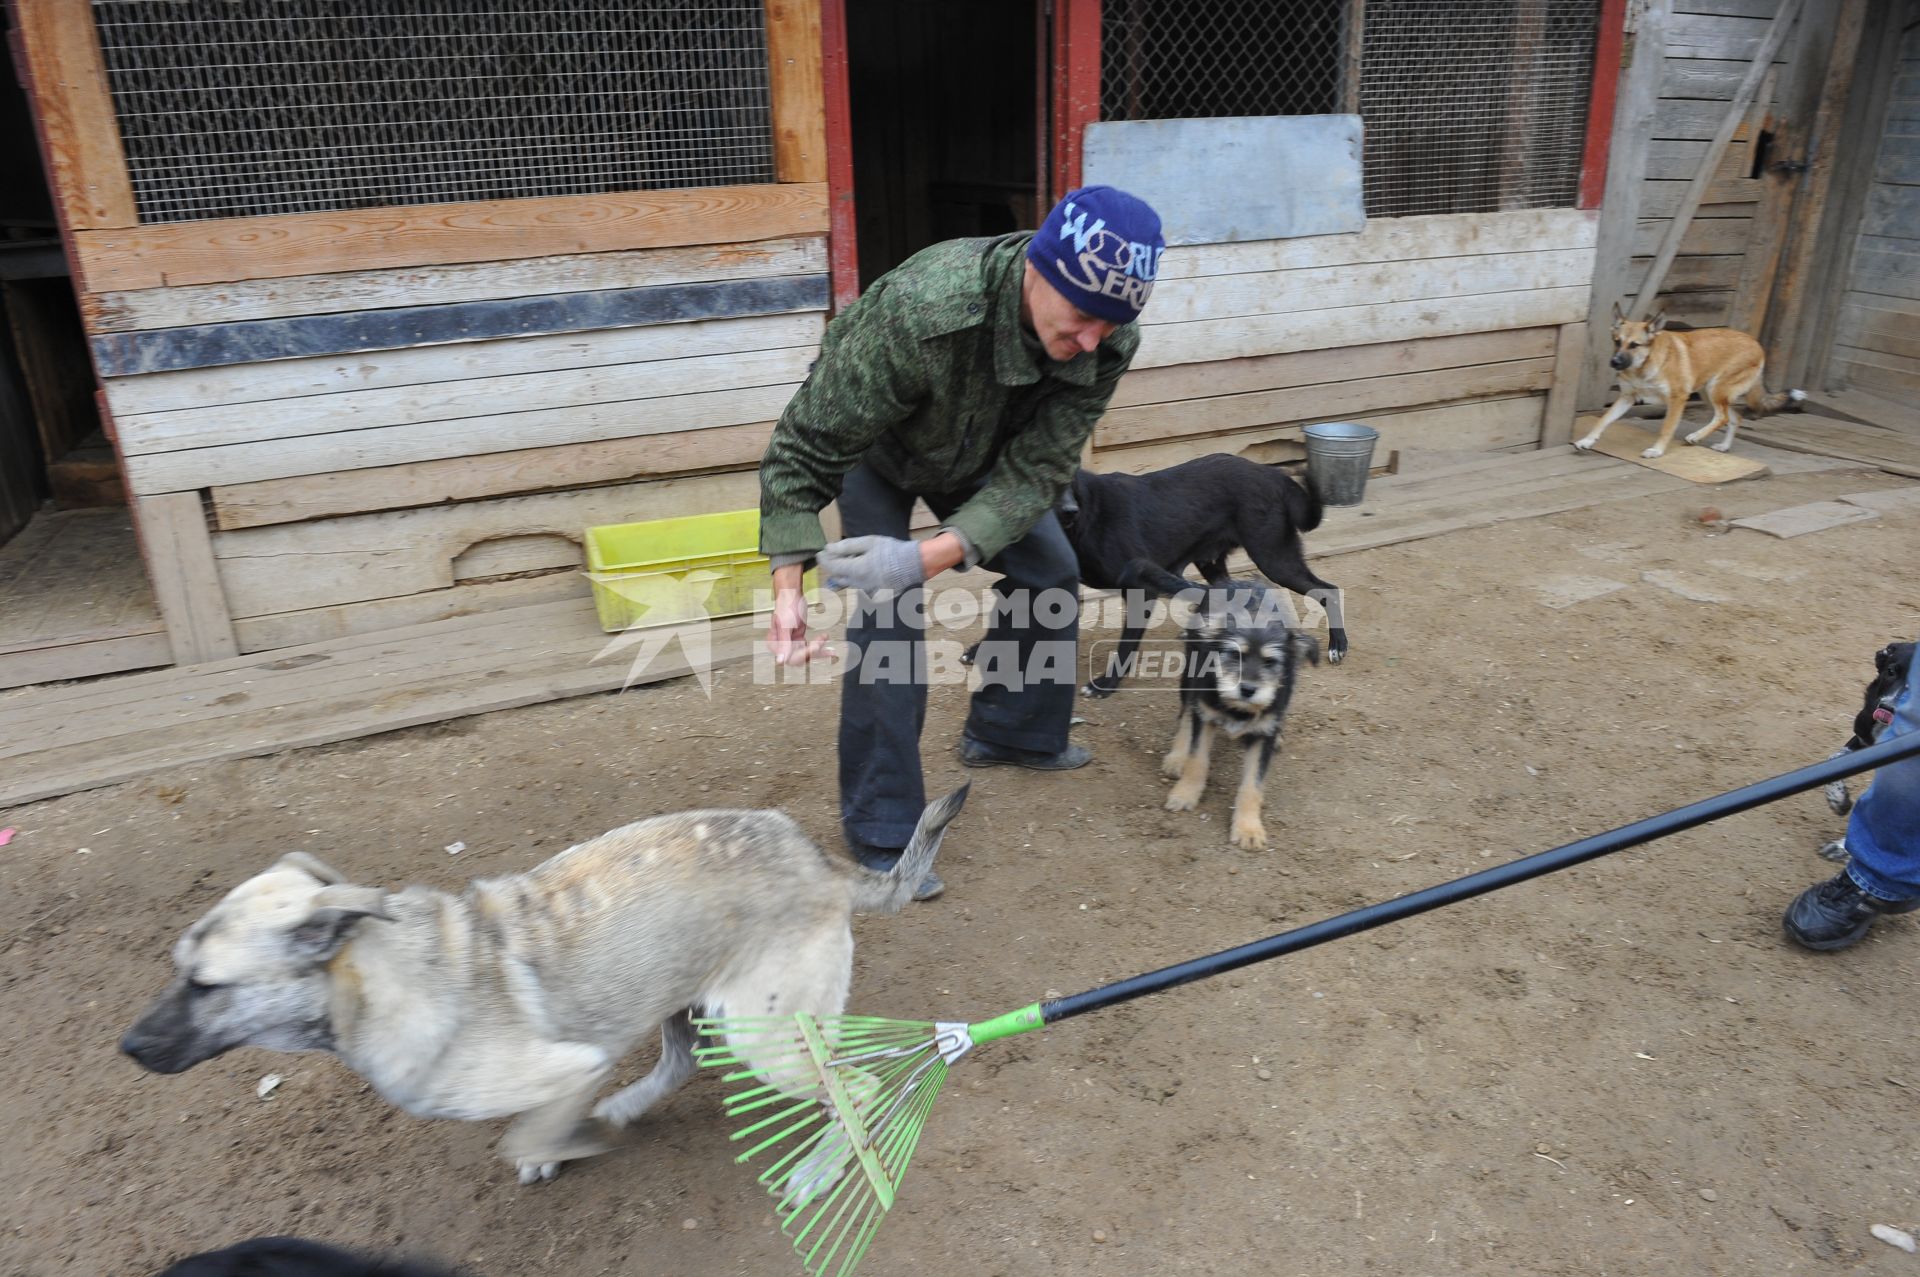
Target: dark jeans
1027, 665
1883, 831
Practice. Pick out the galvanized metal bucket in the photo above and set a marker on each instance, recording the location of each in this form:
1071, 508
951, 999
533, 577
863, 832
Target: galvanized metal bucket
1339, 454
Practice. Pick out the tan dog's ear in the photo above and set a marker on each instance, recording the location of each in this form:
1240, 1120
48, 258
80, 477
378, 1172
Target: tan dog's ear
336, 911
1658, 323
1618, 314
313, 866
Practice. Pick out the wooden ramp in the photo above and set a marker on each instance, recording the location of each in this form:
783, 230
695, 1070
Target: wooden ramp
1866, 408
1475, 494
59, 740
1891, 448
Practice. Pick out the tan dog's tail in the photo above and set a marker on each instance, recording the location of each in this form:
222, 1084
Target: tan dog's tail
876, 892
1760, 401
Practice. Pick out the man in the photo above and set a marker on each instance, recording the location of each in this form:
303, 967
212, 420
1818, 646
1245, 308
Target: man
1883, 847
970, 376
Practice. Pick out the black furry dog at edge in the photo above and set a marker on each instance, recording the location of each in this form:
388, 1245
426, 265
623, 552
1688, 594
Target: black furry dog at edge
296, 1257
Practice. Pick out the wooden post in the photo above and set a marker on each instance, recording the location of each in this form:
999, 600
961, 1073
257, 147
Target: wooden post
1858, 144
1743, 97
843, 249
1760, 259
1569, 362
1353, 45
73, 110
186, 582
794, 82
1638, 98
1789, 341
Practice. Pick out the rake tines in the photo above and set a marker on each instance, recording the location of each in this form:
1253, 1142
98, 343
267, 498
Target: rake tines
841, 1093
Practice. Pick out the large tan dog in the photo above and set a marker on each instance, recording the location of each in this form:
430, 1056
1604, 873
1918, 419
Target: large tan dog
1656, 362
520, 995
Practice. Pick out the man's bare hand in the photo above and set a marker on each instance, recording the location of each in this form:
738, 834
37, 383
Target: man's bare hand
787, 632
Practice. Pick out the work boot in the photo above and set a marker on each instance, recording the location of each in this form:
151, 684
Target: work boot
1836, 913
978, 753
883, 859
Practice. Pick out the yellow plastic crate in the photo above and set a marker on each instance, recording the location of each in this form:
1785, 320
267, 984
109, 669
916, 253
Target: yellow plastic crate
669, 571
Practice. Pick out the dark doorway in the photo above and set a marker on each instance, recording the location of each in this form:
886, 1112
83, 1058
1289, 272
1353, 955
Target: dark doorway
51, 443
946, 116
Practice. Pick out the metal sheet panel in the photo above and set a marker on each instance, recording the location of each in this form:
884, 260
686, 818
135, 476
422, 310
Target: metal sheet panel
1240, 178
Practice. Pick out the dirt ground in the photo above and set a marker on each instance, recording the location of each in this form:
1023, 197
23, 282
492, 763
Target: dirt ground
1619, 1069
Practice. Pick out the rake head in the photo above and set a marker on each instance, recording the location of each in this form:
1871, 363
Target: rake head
837, 1106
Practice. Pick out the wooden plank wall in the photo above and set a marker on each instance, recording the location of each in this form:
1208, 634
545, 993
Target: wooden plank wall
383, 447
1442, 332
344, 420
1709, 45
1877, 337
361, 489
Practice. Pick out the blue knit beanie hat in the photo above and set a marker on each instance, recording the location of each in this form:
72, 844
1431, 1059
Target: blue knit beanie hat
1100, 247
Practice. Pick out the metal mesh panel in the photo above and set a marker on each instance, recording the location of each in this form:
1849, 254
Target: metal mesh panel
231, 108
1475, 107
1469, 105
1193, 59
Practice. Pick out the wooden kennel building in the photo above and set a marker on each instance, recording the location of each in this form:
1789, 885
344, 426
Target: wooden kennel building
376, 304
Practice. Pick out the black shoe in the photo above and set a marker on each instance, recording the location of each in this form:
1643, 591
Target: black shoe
977, 753
883, 859
1836, 913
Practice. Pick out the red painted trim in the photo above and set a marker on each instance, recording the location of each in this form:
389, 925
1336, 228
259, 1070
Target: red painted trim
1607, 70
1076, 85
843, 252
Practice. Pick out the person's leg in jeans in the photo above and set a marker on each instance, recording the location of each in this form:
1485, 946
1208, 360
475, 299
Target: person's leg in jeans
883, 701
1028, 660
1883, 841
1883, 832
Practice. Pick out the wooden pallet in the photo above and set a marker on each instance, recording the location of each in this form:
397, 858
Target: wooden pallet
63, 739
1682, 460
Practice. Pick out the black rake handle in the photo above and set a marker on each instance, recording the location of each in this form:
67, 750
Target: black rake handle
1514, 871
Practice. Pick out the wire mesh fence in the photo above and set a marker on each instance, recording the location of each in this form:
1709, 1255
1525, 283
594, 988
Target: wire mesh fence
1475, 107
1193, 59
1470, 106
232, 108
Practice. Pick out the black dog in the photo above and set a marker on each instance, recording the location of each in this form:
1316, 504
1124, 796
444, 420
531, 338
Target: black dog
1890, 665
1241, 660
293, 1257
1196, 513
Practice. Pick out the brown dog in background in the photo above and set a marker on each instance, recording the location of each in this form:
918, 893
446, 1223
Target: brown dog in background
1668, 362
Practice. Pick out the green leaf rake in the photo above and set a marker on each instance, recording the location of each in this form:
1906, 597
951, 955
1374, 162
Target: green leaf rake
839, 1103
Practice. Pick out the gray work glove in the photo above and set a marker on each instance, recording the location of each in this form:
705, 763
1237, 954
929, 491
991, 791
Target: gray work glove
872, 564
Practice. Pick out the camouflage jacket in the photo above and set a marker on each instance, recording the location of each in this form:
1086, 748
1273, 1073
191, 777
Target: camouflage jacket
927, 378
